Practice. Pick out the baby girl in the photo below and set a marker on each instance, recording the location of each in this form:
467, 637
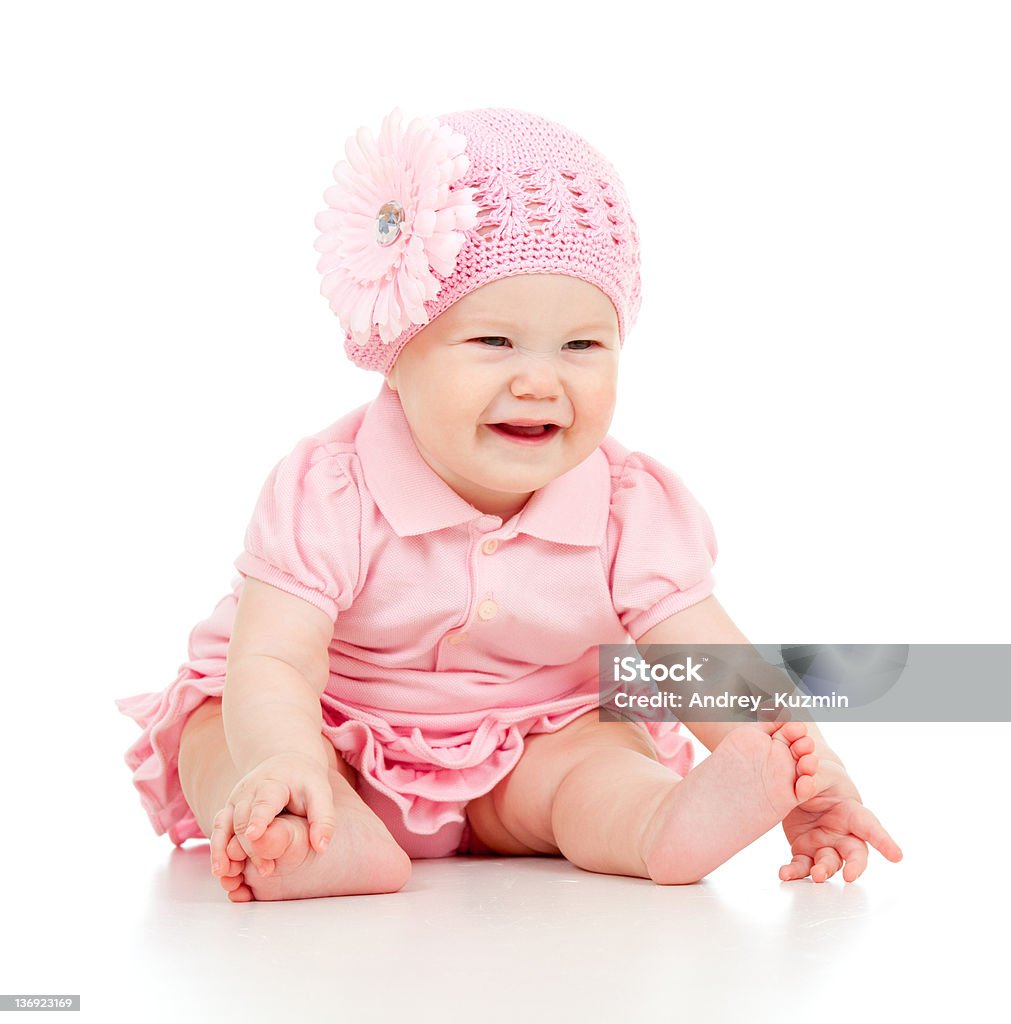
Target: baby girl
406, 666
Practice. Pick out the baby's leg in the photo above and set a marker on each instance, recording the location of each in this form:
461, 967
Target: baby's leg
362, 858
747, 785
594, 792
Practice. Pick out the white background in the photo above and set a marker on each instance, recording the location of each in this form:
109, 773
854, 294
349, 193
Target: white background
821, 191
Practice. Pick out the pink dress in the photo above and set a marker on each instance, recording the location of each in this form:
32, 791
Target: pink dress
455, 634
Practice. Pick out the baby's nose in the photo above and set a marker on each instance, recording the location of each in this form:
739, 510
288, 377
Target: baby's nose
536, 373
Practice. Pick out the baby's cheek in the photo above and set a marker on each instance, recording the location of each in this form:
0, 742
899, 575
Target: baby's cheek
601, 404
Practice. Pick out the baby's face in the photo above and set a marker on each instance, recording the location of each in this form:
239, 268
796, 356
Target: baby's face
541, 348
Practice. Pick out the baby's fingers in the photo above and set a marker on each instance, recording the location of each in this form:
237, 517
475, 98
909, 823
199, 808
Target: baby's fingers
799, 867
253, 815
854, 851
222, 831
827, 861
867, 827
320, 814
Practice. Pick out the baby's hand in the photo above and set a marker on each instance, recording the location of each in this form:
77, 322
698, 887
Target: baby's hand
293, 781
831, 828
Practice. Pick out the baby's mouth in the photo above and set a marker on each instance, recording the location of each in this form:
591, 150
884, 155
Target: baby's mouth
521, 430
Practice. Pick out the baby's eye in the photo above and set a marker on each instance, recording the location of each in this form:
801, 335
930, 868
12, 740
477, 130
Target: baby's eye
583, 345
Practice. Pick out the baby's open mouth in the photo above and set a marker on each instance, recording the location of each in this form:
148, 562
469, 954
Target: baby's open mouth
535, 430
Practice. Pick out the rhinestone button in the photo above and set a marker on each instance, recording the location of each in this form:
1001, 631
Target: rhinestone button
488, 610
388, 221
489, 546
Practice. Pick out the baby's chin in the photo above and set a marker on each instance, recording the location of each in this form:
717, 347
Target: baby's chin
504, 494
513, 480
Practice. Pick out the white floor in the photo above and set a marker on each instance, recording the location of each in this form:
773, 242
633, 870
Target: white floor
142, 931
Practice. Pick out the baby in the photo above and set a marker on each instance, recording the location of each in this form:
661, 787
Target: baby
406, 666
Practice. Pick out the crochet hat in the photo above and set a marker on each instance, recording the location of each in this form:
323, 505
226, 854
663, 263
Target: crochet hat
424, 215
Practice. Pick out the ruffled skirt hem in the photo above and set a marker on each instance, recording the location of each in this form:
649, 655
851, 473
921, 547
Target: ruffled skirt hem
430, 778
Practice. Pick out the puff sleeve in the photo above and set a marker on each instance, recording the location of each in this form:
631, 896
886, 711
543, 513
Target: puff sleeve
305, 533
662, 545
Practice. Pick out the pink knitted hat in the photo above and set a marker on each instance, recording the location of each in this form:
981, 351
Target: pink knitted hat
426, 214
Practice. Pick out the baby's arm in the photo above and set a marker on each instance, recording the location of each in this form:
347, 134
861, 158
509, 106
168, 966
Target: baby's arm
278, 667
707, 623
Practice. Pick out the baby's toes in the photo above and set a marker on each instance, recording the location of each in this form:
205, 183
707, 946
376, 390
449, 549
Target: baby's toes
274, 842
792, 732
804, 786
234, 850
242, 893
231, 882
804, 745
769, 726
263, 853
232, 877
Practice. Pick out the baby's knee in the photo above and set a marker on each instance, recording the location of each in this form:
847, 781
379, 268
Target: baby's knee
596, 735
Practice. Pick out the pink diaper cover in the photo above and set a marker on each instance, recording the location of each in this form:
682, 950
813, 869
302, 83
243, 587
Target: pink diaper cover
455, 838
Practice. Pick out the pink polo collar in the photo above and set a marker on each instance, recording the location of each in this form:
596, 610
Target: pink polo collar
572, 509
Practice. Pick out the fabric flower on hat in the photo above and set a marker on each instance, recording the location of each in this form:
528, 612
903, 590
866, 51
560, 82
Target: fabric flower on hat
393, 217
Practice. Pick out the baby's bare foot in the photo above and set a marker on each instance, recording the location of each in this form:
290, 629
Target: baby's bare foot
362, 858
748, 784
